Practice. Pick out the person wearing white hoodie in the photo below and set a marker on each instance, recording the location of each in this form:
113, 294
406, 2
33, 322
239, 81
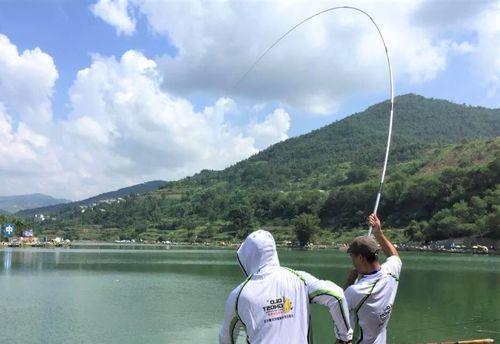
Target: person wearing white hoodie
272, 304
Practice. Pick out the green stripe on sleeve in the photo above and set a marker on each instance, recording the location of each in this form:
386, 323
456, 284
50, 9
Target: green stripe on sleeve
232, 326
296, 274
324, 292
334, 295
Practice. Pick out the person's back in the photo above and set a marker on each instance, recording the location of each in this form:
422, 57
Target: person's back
371, 300
272, 304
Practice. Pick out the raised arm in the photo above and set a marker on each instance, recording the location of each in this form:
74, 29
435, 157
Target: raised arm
329, 294
385, 244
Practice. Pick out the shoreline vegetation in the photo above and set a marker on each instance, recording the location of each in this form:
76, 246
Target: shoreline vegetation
455, 246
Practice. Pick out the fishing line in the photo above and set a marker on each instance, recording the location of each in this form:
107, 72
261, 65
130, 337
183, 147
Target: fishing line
391, 83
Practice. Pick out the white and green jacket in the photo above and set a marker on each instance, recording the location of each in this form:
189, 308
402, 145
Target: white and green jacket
272, 304
371, 300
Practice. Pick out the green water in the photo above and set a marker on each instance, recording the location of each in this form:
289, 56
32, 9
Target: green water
177, 295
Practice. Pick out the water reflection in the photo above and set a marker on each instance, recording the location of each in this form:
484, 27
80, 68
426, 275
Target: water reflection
7, 260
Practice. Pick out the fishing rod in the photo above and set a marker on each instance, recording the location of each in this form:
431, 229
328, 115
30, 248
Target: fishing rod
391, 84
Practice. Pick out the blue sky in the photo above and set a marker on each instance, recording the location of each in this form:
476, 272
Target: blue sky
70, 33
173, 64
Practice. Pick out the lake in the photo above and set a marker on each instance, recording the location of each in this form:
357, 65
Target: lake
177, 295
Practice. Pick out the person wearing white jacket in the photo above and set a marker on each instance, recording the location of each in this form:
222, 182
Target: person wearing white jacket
371, 286
272, 304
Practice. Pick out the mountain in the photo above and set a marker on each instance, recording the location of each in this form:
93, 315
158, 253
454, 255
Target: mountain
444, 164
104, 197
12, 204
360, 139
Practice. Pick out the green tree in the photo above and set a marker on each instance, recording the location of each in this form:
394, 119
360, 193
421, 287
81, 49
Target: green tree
415, 231
357, 174
305, 227
240, 219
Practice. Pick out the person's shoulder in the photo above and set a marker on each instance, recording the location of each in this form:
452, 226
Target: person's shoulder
393, 265
234, 293
303, 275
306, 275
393, 260
239, 288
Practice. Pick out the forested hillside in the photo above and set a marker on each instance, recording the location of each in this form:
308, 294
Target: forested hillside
442, 182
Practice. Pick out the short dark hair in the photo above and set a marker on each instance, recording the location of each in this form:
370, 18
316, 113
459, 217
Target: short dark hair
371, 257
365, 246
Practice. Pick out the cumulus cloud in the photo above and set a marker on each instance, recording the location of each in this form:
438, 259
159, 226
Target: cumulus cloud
273, 129
123, 128
28, 161
116, 14
326, 60
486, 55
313, 69
18, 145
26, 85
26, 82
476, 21
119, 106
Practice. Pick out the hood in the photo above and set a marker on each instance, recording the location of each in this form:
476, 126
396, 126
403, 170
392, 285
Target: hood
257, 251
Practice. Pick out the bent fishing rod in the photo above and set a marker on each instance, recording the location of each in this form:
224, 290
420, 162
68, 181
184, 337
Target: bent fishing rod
391, 84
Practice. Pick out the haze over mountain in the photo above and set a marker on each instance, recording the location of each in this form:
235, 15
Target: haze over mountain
107, 196
12, 204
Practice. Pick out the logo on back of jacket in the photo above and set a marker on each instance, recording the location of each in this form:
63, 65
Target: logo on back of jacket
278, 309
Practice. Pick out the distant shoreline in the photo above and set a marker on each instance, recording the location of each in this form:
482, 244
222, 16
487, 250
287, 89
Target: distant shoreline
88, 244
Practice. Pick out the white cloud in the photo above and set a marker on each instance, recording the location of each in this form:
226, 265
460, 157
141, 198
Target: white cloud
326, 60
137, 131
115, 13
449, 14
17, 145
28, 161
119, 104
123, 128
463, 47
486, 55
313, 69
477, 22
26, 82
273, 129
26, 85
